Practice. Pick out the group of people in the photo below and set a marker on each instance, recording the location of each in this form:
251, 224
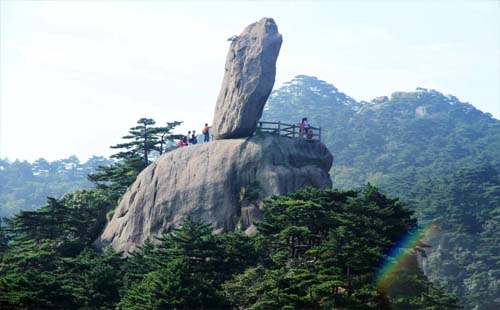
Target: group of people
192, 137
304, 129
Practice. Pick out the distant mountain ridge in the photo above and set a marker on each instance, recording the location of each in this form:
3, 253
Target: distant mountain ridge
310, 88
440, 155
25, 186
370, 134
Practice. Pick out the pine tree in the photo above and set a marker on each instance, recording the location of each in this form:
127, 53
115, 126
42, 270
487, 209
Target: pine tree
189, 264
165, 137
323, 249
142, 140
31, 276
93, 280
143, 260
4, 240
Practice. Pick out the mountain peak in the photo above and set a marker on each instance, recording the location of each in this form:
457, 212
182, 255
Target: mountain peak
304, 88
305, 96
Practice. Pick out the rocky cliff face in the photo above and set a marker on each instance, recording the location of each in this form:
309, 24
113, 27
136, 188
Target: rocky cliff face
249, 76
221, 183
224, 182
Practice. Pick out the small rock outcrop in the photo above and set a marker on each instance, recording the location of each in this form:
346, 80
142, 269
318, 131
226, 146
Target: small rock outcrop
221, 183
250, 72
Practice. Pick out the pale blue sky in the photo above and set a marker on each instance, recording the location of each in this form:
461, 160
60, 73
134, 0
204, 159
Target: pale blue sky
75, 75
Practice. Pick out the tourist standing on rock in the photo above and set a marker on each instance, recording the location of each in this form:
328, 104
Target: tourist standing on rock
206, 134
187, 139
194, 138
181, 142
302, 127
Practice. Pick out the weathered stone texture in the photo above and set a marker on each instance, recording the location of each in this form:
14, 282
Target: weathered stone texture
221, 183
250, 72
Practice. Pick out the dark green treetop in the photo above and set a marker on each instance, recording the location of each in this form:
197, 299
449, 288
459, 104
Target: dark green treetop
142, 140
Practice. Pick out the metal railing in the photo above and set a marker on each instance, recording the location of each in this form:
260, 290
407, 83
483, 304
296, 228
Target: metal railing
288, 130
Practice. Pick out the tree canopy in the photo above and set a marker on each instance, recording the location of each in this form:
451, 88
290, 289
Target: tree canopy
314, 249
423, 147
143, 141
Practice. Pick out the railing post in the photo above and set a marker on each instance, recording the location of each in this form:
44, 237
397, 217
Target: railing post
319, 135
293, 131
279, 128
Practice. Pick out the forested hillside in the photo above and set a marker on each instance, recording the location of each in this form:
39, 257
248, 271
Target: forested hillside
440, 155
392, 141
26, 186
313, 250
466, 205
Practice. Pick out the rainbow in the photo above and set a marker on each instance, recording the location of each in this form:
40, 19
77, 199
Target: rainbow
401, 256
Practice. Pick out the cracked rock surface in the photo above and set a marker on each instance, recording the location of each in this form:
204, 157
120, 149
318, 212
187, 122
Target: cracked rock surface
221, 183
249, 76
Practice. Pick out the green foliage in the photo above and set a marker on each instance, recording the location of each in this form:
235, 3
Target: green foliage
4, 240
28, 278
143, 140
389, 141
321, 250
407, 281
92, 280
26, 186
117, 178
31, 275
73, 221
314, 250
182, 274
417, 146
146, 138
466, 206
175, 286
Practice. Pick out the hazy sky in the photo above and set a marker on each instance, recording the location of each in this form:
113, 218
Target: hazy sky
76, 75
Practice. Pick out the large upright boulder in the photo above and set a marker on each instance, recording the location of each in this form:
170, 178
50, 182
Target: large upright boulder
221, 183
248, 80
